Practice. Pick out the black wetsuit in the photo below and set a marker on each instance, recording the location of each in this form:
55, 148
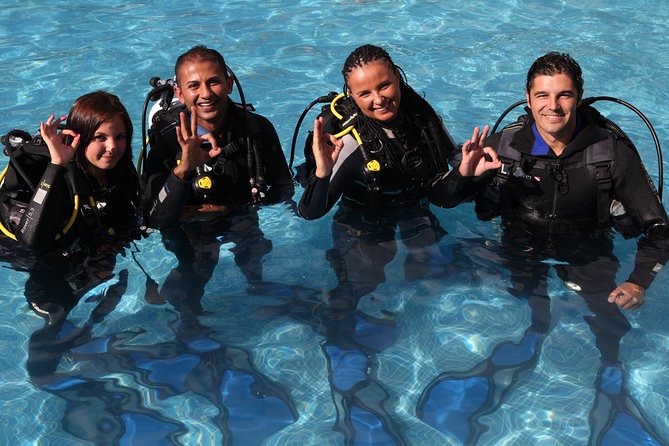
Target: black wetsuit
413, 173
551, 215
196, 242
550, 207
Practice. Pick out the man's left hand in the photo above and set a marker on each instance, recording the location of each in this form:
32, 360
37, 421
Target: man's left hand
628, 296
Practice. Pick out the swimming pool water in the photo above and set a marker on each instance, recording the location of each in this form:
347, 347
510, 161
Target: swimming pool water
253, 367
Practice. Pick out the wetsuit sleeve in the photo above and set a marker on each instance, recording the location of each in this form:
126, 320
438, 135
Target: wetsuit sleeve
453, 189
164, 211
164, 194
315, 201
450, 190
277, 175
634, 189
43, 217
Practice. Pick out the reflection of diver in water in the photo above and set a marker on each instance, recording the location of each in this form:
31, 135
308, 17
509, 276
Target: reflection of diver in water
454, 402
252, 408
99, 410
197, 245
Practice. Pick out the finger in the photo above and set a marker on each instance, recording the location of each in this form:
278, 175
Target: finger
208, 137
483, 136
75, 142
465, 147
180, 138
630, 303
183, 128
215, 152
318, 123
50, 120
193, 121
492, 154
615, 294
475, 134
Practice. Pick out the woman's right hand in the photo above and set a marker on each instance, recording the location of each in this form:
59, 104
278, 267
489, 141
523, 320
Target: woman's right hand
61, 153
326, 149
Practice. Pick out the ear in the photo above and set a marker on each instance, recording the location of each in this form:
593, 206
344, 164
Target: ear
229, 83
177, 92
527, 98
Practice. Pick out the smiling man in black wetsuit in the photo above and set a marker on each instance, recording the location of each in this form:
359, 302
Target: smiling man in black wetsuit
567, 174
210, 162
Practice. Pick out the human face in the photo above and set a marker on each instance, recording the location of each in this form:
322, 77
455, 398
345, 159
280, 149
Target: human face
203, 84
108, 145
375, 88
553, 101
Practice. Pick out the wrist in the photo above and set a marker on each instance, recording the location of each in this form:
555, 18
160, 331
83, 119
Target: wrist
182, 173
323, 173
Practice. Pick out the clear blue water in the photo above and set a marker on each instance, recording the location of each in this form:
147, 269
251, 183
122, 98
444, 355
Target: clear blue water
134, 370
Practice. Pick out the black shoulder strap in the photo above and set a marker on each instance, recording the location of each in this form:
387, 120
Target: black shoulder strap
508, 155
599, 159
510, 158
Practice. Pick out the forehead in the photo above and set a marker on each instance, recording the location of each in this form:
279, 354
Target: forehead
114, 123
553, 82
199, 69
370, 73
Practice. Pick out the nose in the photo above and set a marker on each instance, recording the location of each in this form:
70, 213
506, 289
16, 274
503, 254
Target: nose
554, 103
111, 145
204, 90
377, 98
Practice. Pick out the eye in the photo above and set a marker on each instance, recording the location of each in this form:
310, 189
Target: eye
99, 138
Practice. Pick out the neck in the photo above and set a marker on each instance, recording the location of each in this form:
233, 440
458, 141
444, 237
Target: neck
558, 141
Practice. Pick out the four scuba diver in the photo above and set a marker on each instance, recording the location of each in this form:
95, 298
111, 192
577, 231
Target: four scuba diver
560, 179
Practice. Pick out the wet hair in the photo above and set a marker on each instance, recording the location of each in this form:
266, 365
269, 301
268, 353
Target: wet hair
554, 63
364, 55
86, 116
200, 52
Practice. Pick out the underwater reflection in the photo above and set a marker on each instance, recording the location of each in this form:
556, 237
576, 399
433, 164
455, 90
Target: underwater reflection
454, 402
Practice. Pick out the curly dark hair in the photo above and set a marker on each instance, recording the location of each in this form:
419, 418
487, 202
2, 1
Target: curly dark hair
366, 54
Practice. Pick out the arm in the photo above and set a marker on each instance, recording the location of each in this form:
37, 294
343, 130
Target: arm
320, 195
476, 163
633, 189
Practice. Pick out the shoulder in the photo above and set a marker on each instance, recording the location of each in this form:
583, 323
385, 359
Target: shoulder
257, 123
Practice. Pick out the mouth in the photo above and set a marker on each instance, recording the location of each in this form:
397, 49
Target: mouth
385, 109
207, 105
553, 117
